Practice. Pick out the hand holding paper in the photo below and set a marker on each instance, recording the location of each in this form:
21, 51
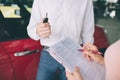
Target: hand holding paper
66, 52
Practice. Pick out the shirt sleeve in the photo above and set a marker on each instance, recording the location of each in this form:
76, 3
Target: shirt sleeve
112, 62
88, 24
34, 19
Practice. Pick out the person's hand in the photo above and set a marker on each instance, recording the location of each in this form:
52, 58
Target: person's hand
89, 46
89, 55
43, 30
95, 57
75, 75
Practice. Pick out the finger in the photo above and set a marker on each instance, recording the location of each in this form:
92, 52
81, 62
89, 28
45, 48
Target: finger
77, 75
77, 69
88, 52
85, 55
88, 58
47, 24
43, 29
69, 75
88, 55
45, 35
89, 46
86, 44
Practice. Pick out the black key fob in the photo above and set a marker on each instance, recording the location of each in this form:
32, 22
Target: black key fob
45, 20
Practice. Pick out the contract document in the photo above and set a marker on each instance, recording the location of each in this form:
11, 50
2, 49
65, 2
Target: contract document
67, 53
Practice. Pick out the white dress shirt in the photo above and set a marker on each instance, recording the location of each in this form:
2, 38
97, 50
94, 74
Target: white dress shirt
68, 18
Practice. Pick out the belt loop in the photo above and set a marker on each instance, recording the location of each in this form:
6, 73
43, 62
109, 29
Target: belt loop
45, 47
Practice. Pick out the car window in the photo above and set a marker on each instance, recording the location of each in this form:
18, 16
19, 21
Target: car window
14, 18
10, 2
11, 32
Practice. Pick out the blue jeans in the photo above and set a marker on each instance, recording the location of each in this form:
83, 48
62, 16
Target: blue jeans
49, 68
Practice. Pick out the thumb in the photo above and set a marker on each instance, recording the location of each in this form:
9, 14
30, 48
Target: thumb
89, 53
77, 75
76, 69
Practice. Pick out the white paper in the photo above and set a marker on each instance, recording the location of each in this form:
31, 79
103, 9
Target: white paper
66, 52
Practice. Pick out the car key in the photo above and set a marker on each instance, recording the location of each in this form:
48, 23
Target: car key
46, 19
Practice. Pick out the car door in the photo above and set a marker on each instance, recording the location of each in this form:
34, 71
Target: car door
24, 56
6, 67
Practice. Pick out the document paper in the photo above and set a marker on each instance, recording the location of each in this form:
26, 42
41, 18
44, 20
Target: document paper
67, 53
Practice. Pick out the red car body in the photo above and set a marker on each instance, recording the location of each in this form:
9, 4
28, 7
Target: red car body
13, 67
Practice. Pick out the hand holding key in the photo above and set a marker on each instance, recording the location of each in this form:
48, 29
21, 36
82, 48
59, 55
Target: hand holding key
43, 28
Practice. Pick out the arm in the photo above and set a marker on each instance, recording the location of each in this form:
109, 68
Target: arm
112, 62
37, 28
34, 20
88, 24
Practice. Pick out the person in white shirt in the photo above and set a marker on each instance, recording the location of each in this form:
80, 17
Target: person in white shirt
66, 18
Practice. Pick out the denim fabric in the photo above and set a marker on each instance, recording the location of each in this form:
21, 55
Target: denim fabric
49, 68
